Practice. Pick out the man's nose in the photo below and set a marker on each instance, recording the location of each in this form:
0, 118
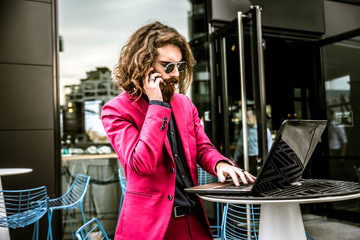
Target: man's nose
175, 72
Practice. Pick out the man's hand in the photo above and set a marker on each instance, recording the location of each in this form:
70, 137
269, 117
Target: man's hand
151, 84
224, 170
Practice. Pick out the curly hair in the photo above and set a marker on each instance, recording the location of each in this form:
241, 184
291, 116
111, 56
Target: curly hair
140, 52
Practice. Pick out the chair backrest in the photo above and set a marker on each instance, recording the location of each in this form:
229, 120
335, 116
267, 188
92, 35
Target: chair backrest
240, 221
102, 174
91, 230
19, 208
204, 177
122, 179
74, 196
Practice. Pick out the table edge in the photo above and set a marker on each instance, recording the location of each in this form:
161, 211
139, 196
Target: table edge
244, 200
16, 171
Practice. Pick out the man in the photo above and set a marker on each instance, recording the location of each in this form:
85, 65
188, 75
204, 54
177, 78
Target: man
159, 140
337, 136
252, 139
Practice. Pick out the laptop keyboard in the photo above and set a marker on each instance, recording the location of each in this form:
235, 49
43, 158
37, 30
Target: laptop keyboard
233, 187
308, 188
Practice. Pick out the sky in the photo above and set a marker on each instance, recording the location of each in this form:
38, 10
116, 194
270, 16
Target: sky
94, 31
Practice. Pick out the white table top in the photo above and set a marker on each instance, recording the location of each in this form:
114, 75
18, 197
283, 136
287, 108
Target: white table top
249, 200
66, 158
14, 171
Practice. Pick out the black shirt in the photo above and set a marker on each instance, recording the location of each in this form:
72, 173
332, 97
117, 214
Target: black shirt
183, 177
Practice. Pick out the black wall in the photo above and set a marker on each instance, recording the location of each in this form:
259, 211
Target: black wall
29, 130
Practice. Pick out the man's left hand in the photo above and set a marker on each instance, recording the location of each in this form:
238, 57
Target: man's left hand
224, 170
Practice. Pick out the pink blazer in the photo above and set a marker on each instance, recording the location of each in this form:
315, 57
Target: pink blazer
137, 132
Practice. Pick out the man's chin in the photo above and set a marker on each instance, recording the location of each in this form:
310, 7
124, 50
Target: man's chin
168, 93
168, 98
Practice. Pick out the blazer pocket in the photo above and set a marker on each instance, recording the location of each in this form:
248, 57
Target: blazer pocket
142, 194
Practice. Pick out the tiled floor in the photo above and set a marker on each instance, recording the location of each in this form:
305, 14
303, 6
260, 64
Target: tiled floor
320, 228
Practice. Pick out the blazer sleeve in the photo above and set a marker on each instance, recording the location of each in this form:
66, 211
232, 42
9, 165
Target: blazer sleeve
139, 146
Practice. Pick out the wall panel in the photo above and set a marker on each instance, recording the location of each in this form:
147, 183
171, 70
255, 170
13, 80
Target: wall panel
29, 135
27, 27
26, 97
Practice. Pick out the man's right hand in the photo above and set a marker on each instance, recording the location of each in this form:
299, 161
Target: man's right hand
151, 85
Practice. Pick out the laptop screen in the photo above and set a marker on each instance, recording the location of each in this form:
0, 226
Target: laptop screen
289, 154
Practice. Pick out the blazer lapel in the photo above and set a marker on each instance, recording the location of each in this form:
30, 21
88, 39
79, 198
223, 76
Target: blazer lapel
180, 119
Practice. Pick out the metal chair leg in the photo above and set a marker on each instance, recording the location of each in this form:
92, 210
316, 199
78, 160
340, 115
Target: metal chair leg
49, 234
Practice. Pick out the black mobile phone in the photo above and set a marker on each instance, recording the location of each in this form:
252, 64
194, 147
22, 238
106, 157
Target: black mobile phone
154, 71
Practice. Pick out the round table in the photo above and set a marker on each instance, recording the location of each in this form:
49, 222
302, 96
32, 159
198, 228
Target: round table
279, 219
14, 171
4, 232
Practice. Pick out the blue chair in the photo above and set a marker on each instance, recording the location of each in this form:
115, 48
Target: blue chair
72, 199
20, 208
240, 222
123, 184
308, 237
205, 178
91, 230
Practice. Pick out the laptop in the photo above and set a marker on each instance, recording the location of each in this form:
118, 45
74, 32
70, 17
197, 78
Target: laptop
284, 164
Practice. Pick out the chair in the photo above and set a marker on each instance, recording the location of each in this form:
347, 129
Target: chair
101, 175
240, 221
20, 208
205, 178
123, 184
72, 199
308, 237
91, 230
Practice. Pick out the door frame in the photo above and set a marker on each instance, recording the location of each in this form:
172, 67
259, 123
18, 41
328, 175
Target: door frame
218, 55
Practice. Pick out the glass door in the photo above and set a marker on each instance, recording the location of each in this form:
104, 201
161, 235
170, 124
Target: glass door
276, 80
341, 75
240, 90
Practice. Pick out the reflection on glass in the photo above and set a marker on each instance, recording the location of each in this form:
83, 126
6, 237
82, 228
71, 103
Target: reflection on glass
200, 88
341, 71
93, 126
342, 93
252, 140
339, 113
337, 136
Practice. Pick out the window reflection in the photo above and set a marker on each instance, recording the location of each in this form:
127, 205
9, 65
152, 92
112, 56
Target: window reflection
342, 92
341, 71
338, 100
340, 78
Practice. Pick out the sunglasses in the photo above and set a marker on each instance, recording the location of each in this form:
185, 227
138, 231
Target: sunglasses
169, 67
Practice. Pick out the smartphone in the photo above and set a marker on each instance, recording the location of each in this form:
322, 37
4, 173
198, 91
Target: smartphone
154, 71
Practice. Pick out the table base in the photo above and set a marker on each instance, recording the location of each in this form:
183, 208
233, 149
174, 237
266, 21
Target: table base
281, 221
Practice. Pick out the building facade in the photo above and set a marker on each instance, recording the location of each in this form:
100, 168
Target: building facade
309, 54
